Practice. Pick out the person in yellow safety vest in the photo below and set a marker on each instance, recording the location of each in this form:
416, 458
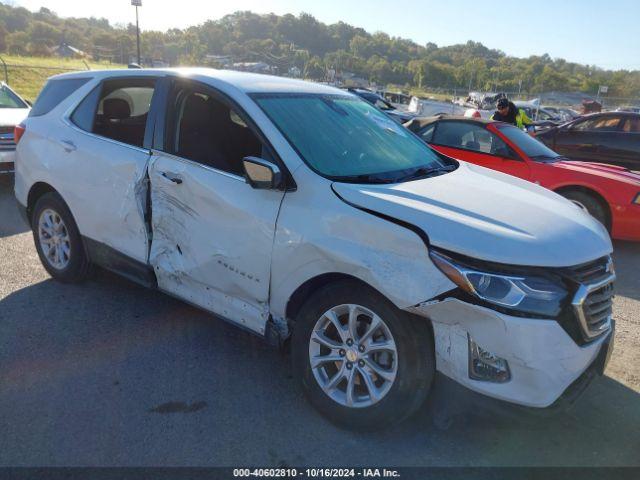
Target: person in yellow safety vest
507, 112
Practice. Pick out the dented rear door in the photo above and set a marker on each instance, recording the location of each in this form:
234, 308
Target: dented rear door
103, 179
212, 238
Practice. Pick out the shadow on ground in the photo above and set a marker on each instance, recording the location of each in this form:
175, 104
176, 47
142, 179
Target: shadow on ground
108, 373
627, 262
11, 222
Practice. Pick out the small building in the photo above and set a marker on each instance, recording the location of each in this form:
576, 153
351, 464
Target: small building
67, 51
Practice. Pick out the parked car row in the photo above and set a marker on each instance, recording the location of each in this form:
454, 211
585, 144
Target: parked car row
304, 214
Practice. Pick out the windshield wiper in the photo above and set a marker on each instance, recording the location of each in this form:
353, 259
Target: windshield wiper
426, 172
382, 178
365, 178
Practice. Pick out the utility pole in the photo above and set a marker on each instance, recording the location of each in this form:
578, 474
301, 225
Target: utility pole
137, 3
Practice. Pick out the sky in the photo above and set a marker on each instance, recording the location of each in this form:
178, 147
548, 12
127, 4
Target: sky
595, 32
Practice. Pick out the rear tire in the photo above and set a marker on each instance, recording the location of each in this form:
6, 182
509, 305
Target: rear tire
58, 240
589, 203
388, 368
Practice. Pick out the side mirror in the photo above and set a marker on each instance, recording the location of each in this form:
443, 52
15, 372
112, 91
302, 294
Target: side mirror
261, 174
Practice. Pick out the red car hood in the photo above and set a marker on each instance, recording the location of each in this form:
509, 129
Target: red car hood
613, 172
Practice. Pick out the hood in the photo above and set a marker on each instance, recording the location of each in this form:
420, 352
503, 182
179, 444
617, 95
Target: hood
602, 170
490, 216
10, 117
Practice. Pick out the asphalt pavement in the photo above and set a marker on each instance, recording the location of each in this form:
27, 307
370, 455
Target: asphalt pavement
108, 373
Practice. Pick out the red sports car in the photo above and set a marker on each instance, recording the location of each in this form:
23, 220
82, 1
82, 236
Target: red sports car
611, 194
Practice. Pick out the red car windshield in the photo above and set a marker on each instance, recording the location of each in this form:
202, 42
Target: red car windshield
534, 149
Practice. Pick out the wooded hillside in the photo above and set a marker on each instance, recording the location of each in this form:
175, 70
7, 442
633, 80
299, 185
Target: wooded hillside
314, 48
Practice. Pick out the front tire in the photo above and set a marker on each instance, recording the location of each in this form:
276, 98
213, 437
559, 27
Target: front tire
588, 203
58, 240
363, 363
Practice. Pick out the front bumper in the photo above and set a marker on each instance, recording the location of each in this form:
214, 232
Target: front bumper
626, 222
544, 361
7, 161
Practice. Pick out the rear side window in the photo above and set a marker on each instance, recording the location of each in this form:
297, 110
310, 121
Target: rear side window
84, 114
601, 124
54, 92
117, 109
123, 109
631, 125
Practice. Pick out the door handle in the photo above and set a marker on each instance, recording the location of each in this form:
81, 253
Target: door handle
172, 177
68, 146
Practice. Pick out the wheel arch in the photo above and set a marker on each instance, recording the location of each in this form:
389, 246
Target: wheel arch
594, 194
305, 290
36, 191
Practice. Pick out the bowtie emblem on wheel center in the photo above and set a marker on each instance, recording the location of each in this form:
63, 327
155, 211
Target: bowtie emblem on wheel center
352, 355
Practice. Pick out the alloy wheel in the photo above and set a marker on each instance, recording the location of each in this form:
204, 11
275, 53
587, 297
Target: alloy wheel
54, 239
353, 355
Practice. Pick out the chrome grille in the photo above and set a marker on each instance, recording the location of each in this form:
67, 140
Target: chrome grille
598, 307
593, 301
6, 139
592, 271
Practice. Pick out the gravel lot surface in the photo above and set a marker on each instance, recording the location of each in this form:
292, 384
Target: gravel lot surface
109, 373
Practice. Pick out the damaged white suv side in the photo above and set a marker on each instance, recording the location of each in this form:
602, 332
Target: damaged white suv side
298, 211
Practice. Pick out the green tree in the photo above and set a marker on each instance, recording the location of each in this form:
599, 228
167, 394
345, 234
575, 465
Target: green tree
17, 43
3, 38
314, 69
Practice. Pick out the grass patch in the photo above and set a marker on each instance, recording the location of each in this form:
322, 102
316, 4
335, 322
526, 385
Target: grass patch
27, 75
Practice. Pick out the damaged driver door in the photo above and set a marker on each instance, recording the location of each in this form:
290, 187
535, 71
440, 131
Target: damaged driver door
212, 232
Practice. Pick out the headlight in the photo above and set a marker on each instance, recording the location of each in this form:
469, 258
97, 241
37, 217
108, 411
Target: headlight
637, 199
534, 294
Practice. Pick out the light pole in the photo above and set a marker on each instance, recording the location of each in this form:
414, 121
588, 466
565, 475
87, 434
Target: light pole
137, 3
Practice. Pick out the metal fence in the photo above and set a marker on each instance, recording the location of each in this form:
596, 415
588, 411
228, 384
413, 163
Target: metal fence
28, 79
7, 66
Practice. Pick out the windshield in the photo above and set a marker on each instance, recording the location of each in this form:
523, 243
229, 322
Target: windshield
347, 139
8, 99
533, 148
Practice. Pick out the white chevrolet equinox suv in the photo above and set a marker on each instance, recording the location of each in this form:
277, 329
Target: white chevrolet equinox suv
303, 214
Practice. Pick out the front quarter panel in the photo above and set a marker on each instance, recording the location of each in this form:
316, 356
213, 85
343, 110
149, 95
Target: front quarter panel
318, 233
